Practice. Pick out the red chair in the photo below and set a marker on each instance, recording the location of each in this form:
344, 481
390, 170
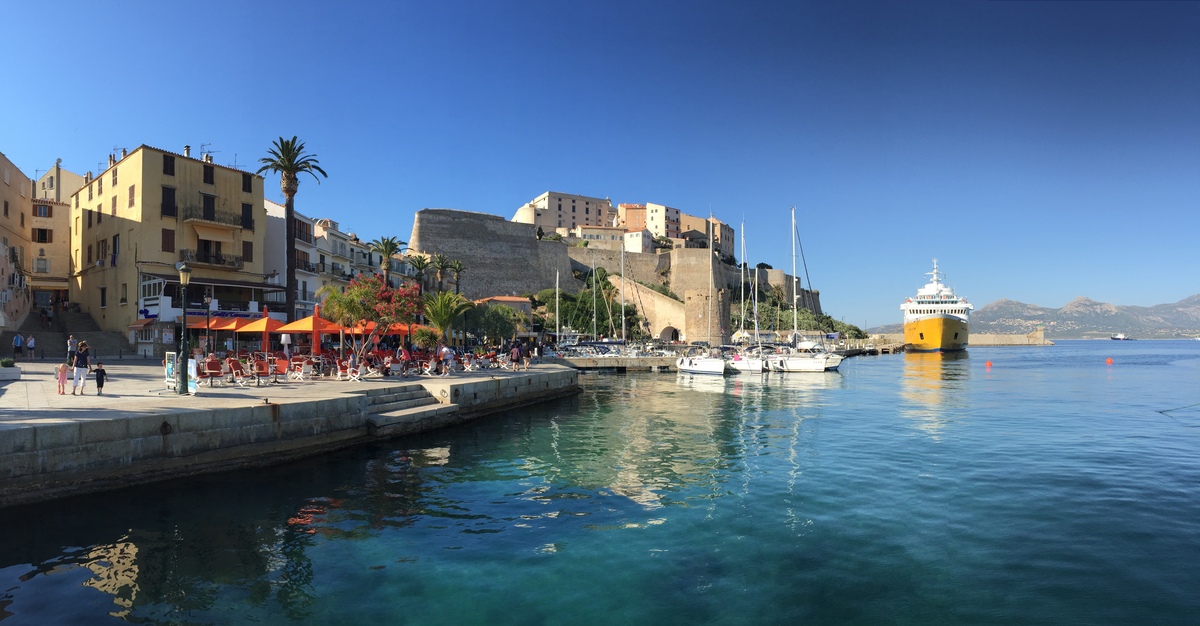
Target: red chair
262, 370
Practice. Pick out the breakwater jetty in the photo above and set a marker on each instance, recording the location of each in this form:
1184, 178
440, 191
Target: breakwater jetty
56, 445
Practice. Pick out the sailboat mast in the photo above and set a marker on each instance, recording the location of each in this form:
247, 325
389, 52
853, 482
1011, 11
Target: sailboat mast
622, 286
595, 337
743, 274
557, 322
708, 330
795, 282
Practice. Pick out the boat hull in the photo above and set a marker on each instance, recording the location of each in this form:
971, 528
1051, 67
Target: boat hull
702, 365
936, 333
747, 365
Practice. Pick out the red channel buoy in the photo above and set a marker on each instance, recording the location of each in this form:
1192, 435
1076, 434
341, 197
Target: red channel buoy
988, 365
1108, 361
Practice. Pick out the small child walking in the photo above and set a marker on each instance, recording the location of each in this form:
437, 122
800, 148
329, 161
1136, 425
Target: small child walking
61, 374
101, 376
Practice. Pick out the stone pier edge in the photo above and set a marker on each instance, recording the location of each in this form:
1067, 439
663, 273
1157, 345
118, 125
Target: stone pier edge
48, 461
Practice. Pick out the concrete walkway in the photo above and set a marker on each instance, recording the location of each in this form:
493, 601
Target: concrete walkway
139, 387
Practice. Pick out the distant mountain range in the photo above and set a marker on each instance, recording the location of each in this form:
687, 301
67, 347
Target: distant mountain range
1083, 318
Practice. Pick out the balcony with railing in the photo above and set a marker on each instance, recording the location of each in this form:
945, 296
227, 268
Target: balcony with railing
216, 216
216, 259
305, 266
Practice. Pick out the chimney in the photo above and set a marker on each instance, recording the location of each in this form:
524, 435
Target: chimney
187, 151
123, 153
112, 160
87, 178
208, 158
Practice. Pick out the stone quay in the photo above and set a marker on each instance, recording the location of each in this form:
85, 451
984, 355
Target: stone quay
139, 431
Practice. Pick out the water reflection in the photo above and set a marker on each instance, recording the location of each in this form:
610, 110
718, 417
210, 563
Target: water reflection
251, 545
934, 391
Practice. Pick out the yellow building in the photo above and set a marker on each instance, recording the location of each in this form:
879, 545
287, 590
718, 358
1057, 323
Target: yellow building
135, 222
49, 253
15, 192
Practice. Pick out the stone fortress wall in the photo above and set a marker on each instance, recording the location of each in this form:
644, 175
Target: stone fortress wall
506, 258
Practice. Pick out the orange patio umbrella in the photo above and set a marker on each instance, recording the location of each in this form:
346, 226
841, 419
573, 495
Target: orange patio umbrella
265, 325
312, 324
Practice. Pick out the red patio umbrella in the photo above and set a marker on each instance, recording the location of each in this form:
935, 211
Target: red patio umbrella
312, 324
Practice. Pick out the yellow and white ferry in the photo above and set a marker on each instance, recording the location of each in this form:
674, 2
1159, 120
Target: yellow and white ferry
936, 319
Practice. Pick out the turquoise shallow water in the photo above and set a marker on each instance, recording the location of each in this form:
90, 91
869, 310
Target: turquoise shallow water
1050, 488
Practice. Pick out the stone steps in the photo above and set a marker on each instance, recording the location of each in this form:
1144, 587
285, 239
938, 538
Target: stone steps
405, 409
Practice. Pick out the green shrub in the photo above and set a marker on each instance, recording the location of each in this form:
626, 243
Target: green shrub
7, 363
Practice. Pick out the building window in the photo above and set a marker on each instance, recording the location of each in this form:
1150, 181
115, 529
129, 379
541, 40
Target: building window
22, 219
99, 186
124, 293
132, 193
208, 174
168, 202
43, 235
77, 200
103, 297
43, 210
248, 251
6, 207
210, 204
100, 214
114, 180
247, 183
168, 240
41, 266
89, 192
52, 182
168, 165
114, 206
89, 256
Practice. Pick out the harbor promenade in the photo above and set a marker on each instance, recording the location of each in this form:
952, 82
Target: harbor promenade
54, 445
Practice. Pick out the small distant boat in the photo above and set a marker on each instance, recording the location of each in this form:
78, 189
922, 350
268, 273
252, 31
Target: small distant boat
1120, 337
807, 356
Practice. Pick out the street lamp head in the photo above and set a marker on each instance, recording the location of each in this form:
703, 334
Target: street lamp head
185, 274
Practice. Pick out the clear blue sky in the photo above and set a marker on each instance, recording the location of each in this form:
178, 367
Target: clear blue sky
1042, 151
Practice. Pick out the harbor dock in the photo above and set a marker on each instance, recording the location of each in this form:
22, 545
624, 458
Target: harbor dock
55, 445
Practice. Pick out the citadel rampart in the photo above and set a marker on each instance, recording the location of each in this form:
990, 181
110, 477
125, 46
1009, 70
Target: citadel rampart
506, 258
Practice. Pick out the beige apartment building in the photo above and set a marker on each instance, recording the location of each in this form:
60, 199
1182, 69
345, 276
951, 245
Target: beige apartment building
631, 217
555, 210
57, 184
15, 223
601, 237
151, 210
662, 220
721, 233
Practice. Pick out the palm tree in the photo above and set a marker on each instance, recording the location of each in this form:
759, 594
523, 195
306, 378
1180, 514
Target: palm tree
443, 308
421, 265
457, 268
386, 248
288, 159
440, 263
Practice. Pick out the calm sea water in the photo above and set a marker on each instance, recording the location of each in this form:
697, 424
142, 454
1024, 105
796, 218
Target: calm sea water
1048, 488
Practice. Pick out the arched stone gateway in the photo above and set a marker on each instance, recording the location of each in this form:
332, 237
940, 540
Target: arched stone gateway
670, 333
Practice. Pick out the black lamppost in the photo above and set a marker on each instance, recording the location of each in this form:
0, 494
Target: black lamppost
185, 277
208, 344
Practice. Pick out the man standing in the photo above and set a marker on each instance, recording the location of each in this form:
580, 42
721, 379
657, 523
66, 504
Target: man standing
18, 342
30, 344
447, 359
72, 348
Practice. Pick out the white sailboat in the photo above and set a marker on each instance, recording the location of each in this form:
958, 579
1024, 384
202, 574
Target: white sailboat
805, 356
742, 361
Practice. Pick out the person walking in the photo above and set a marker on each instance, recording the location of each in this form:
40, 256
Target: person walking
72, 347
447, 359
18, 345
30, 344
101, 378
80, 363
525, 356
61, 374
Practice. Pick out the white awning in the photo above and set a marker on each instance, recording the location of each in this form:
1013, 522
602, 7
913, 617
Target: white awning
212, 233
